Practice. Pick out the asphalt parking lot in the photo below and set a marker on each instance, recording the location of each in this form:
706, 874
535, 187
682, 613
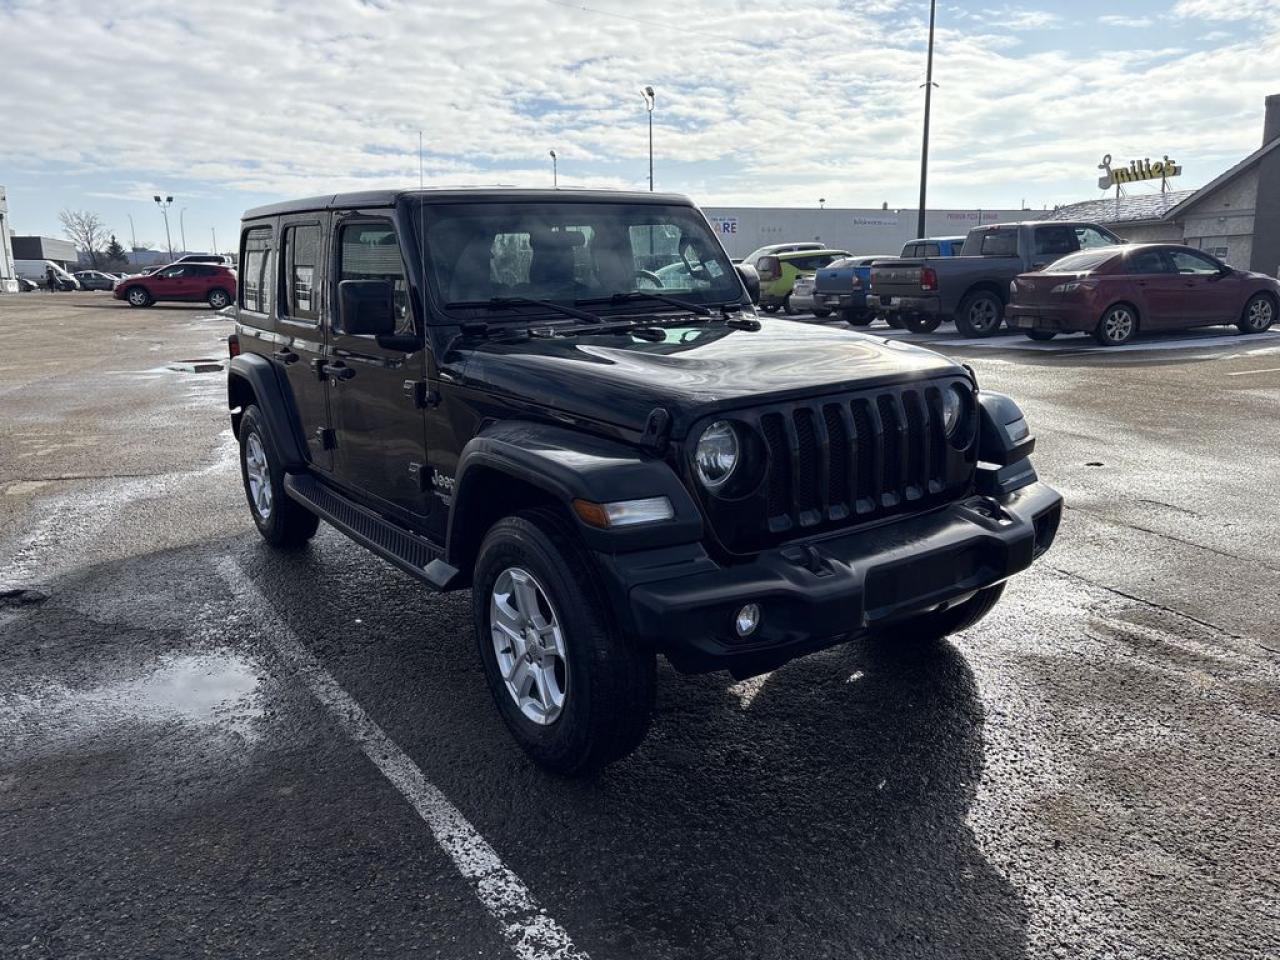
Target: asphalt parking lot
210, 749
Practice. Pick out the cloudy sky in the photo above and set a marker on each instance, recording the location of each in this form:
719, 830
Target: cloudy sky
231, 104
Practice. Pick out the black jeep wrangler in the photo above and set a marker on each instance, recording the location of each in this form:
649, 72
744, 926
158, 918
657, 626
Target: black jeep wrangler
565, 402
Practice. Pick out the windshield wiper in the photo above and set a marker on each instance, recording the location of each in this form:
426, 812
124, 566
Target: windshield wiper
619, 298
500, 303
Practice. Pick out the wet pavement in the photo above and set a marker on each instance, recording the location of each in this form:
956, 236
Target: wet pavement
207, 748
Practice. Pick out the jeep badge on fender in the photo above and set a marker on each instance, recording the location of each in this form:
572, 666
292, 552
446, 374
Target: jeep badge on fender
618, 457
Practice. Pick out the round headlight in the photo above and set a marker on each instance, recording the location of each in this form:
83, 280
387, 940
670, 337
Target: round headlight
716, 455
953, 403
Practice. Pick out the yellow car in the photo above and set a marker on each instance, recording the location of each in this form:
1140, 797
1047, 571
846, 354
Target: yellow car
779, 271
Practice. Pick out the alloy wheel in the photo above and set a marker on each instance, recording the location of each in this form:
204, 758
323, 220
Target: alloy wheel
137, 296
218, 300
528, 644
983, 314
1117, 325
259, 476
1260, 314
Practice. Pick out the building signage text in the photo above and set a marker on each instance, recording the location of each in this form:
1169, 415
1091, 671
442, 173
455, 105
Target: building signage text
1136, 171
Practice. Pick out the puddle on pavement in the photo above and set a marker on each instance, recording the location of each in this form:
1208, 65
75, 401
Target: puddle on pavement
217, 690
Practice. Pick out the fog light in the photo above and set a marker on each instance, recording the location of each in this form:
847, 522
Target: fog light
747, 620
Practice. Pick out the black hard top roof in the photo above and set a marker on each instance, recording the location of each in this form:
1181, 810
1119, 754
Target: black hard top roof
388, 198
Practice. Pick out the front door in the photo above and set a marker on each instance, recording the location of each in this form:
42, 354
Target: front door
380, 432
176, 283
1201, 288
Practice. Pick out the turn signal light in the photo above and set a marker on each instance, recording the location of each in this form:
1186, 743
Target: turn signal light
623, 513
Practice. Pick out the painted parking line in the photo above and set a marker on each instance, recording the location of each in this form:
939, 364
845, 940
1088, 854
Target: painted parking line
1249, 373
528, 930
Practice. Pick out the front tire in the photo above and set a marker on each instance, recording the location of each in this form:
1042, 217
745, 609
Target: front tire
857, 318
138, 297
787, 308
980, 314
282, 521
1258, 315
575, 694
1118, 326
218, 299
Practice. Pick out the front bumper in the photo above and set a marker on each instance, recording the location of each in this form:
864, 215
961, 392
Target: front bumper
824, 591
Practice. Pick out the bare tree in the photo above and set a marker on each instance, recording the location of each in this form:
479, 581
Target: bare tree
86, 230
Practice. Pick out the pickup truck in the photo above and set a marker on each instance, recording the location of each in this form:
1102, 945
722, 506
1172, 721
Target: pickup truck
842, 286
972, 288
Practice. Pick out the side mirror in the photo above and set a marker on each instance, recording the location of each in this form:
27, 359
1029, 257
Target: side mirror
367, 308
750, 279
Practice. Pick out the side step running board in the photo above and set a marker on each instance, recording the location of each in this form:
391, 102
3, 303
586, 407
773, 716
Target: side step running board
415, 555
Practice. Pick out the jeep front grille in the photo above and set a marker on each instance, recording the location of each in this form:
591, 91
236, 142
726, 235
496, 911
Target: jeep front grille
842, 460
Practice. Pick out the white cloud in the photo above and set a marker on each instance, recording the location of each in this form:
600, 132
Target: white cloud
1230, 10
753, 106
1119, 20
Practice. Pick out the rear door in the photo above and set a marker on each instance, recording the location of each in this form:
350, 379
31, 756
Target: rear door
380, 450
300, 337
1158, 289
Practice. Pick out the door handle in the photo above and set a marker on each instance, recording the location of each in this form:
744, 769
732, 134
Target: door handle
339, 371
286, 356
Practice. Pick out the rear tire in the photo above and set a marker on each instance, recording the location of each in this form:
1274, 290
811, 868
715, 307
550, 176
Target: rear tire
282, 521
922, 323
933, 626
218, 298
1118, 326
980, 314
1258, 315
821, 313
857, 318
138, 297
607, 685
786, 306
1041, 335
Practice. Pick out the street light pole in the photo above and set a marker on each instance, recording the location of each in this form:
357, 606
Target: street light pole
164, 209
648, 95
182, 227
555, 176
213, 234
928, 99
133, 235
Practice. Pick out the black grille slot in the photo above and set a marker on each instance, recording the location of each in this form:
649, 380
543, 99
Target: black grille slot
779, 490
892, 445
917, 445
807, 463
868, 457
937, 441
841, 450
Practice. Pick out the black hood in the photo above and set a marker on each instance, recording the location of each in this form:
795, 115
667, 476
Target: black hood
618, 379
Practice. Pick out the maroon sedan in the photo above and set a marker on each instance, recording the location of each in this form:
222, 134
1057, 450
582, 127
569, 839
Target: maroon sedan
212, 283
1113, 292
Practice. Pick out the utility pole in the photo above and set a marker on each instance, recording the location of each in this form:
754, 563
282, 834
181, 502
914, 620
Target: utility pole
648, 95
213, 234
555, 176
928, 99
133, 235
164, 209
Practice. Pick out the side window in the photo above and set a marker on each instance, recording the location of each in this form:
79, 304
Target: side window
1055, 241
169, 273
928, 250
255, 279
370, 251
911, 251
999, 243
1186, 262
1149, 261
299, 256
1089, 238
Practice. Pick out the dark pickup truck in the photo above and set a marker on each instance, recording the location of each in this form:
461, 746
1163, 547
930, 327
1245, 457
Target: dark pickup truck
973, 287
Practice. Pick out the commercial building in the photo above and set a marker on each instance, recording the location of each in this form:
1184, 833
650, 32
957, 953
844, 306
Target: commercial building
1235, 217
61, 252
8, 277
860, 231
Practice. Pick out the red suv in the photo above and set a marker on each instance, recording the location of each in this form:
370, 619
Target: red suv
214, 284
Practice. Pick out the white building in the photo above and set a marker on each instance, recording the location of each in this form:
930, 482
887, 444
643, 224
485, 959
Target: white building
8, 276
860, 231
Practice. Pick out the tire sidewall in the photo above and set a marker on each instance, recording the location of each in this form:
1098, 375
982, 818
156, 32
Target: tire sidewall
1244, 317
1100, 335
922, 324
143, 301
966, 310
518, 542
213, 294
251, 423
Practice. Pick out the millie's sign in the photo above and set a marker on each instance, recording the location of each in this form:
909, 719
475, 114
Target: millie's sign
1137, 170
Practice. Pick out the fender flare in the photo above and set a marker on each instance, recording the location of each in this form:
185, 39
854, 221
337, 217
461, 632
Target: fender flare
565, 465
259, 374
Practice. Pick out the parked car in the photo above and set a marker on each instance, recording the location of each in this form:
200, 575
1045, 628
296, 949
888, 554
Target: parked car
37, 272
780, 271
95, 280
1114, 293
753, 258
842, 286
222, 259
27, 286
180, 282
613, 472
972, 288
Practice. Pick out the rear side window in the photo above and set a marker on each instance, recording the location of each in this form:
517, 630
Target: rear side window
300, 254
370, 251
1149, 261
999, 243
255, 281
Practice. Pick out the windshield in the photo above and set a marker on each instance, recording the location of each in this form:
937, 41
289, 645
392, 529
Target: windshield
572, 252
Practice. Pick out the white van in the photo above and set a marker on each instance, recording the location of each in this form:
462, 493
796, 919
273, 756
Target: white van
36, 270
